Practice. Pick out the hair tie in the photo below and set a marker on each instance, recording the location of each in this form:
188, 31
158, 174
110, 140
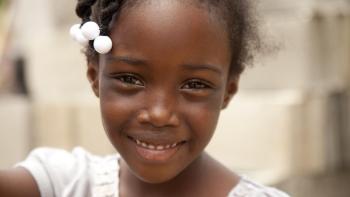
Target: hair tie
91, 31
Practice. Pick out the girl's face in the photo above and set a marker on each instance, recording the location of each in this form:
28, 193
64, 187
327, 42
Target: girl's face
162, 87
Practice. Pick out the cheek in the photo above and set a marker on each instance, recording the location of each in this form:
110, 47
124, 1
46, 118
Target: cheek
204, 118
116, 110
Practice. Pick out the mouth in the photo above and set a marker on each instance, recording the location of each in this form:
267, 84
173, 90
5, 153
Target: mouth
155, 151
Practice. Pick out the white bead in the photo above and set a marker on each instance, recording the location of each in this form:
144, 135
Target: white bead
80, 38
103, 44
74, 31
90, 30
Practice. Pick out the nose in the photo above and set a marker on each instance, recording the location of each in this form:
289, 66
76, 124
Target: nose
160, 111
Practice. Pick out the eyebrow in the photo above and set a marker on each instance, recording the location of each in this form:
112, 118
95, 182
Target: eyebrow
203, 67
140, 62
127, 60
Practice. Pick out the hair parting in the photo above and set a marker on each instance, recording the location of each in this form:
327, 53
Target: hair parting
108, 9
84, 9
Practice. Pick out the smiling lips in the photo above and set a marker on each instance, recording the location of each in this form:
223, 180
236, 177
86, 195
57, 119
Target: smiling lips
156, 152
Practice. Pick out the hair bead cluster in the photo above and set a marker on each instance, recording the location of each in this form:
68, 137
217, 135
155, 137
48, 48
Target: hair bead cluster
89, 30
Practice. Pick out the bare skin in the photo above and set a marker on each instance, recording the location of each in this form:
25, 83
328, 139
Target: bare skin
211, 179
17, 182
165, 82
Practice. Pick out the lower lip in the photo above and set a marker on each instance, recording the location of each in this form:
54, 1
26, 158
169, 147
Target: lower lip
158, 156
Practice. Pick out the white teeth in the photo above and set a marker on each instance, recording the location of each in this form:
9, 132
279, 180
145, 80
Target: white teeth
144, 144
160, 147
151, 147
155, 147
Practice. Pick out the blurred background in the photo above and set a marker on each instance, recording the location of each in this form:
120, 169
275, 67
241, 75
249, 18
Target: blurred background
288, 126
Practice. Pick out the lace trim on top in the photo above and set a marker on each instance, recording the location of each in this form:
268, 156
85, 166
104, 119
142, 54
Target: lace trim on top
105, 177
248, 188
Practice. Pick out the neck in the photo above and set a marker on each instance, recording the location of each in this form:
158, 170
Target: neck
184, 182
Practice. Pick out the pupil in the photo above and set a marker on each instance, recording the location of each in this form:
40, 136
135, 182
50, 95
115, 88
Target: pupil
196, 85
129, 79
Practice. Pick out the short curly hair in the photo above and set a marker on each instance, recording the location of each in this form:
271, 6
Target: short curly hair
238, 16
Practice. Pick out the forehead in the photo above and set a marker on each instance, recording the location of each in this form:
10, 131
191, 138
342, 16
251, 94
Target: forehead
166, 27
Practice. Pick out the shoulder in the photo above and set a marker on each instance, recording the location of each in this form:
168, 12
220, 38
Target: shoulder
57, 157
59, 172
60, 162
247, 188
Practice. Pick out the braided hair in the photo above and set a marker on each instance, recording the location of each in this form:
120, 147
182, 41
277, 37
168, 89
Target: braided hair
237, 15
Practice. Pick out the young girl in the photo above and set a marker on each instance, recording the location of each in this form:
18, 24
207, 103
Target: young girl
163, 70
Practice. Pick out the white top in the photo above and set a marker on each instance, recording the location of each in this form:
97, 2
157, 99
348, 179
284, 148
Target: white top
78, 173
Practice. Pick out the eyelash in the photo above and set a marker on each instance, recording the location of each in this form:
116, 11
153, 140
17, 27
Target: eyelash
196, 84
129, 79
132, 79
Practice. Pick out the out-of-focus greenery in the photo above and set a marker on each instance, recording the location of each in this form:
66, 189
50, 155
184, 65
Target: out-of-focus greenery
2, 2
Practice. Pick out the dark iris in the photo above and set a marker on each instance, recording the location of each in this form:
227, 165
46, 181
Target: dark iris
129, 79
195, 85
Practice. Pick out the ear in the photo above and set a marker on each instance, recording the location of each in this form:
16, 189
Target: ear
92, 75
231, 90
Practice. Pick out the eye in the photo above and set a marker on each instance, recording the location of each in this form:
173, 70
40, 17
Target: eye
129, 79
196, 84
